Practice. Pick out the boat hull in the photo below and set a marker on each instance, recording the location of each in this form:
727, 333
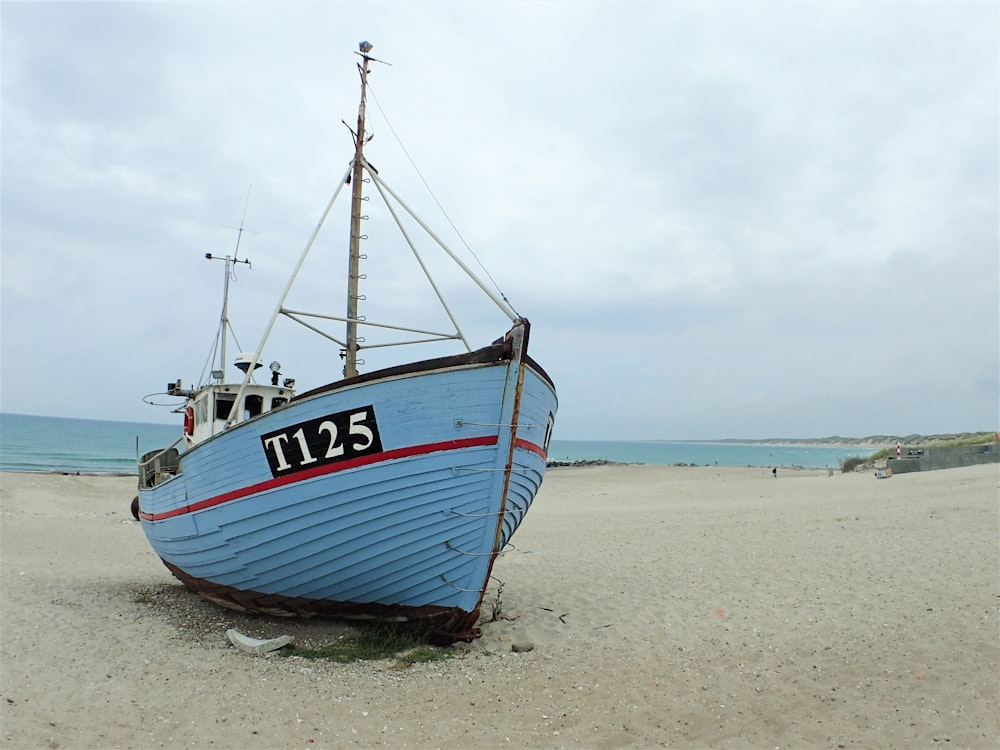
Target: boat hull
386, 496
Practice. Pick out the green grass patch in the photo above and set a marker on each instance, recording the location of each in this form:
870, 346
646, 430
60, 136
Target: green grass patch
404, 642
975, 438
851, 464
941, 441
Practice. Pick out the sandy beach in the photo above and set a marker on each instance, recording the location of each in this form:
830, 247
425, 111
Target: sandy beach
666, 607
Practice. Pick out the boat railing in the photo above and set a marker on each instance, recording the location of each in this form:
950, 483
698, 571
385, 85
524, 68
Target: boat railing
158, 465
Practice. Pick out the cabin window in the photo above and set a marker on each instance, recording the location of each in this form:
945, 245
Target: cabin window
252, 406
201, 411
278, 401
224, 404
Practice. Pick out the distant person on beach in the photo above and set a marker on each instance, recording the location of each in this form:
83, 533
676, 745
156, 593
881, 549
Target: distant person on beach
774, 472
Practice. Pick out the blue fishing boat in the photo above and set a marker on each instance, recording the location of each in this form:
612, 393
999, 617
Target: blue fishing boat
385, 494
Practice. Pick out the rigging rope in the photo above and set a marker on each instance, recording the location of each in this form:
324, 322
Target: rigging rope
437, 202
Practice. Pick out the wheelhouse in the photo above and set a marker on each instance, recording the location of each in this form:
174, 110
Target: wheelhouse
209, 410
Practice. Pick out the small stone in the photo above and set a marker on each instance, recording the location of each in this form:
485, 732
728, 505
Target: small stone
521, 647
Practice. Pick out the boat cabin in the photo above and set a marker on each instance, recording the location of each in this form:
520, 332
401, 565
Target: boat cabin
205, 414
208, 409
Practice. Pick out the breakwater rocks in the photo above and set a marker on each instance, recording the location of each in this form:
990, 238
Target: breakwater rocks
585, 462
604, 462
878, 441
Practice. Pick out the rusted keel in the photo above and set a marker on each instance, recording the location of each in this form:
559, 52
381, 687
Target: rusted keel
447, 625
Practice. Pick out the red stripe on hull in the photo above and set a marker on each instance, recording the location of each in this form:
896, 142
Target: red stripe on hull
529, 446
392, 455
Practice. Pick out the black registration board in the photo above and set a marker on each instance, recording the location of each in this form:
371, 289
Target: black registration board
325, 440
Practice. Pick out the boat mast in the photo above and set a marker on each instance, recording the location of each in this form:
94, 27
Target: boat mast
357, 174
230, 262
225, 313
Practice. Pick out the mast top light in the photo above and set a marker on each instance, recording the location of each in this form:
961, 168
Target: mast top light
365, 47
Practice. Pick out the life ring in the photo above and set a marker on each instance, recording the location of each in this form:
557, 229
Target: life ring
189, 421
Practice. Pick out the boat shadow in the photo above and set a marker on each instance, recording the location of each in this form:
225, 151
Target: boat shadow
202, 622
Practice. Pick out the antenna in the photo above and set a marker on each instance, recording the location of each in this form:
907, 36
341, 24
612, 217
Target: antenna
241, 228
230, 262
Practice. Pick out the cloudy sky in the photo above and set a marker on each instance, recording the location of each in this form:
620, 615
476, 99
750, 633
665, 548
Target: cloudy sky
724, 219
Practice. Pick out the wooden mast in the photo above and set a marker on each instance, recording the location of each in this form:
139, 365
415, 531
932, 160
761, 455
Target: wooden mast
357, 175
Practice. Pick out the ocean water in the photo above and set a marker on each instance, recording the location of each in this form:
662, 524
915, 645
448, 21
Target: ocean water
29, 443
704, 453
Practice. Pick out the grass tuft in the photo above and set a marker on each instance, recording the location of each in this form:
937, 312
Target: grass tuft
851, 464
405, 642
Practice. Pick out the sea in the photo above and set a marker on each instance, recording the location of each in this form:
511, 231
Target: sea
87, 446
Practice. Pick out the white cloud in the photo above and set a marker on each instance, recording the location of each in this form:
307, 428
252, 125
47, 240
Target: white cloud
732, 219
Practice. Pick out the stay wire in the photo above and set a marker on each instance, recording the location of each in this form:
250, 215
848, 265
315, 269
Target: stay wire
437, 202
